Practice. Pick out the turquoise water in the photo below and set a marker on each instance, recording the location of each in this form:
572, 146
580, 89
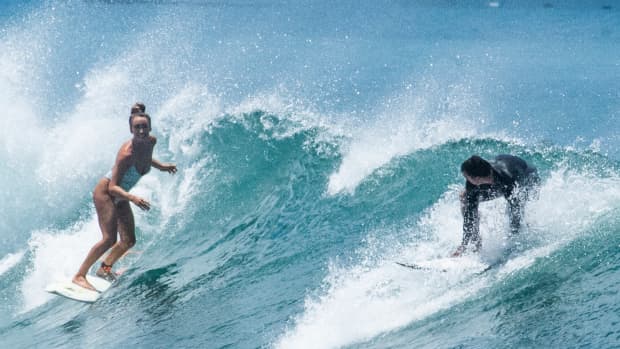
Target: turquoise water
317, 143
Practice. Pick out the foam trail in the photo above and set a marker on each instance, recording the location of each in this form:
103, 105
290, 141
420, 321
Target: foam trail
376, 298
384, 297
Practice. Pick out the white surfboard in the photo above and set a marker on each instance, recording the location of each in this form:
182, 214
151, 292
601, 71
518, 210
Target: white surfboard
449, 264
67, 288
456, 264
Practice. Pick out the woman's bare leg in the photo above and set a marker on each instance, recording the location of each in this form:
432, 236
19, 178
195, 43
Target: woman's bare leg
108, 218
127, 232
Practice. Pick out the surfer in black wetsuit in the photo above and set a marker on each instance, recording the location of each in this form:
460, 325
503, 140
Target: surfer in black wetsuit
506, 175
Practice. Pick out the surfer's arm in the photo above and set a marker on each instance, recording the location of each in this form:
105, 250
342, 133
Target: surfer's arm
166, 167
515, 211
471, 221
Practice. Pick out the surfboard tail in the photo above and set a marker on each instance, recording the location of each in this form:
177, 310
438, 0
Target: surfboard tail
68, 289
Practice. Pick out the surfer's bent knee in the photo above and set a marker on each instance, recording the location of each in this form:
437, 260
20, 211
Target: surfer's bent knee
130, 243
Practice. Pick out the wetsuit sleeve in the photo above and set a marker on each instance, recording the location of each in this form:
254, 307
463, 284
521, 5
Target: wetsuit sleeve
515, 209
471, 220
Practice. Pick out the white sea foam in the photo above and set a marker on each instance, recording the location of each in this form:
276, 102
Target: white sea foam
9, 261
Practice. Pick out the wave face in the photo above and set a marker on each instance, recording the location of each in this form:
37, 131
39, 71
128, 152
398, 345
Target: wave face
317, 144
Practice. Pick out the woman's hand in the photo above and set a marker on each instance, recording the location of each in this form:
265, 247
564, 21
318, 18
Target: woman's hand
170, 168
140, 202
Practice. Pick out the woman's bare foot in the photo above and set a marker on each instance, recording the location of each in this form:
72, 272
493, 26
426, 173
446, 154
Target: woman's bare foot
81, 281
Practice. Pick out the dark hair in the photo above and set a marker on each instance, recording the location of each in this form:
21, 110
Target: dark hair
476, 166
138, 107
144, 115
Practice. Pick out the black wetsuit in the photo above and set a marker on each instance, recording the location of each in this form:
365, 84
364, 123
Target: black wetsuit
514, 179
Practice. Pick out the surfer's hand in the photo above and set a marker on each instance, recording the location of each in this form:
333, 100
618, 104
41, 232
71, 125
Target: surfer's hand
140, 202
170, 168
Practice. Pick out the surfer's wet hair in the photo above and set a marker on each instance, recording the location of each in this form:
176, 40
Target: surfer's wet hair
476, 166
138, 107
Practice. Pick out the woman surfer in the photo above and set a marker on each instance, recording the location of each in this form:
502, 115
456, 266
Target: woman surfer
111, 197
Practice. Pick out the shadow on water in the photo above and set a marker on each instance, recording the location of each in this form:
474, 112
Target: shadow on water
153, 288
72, 326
